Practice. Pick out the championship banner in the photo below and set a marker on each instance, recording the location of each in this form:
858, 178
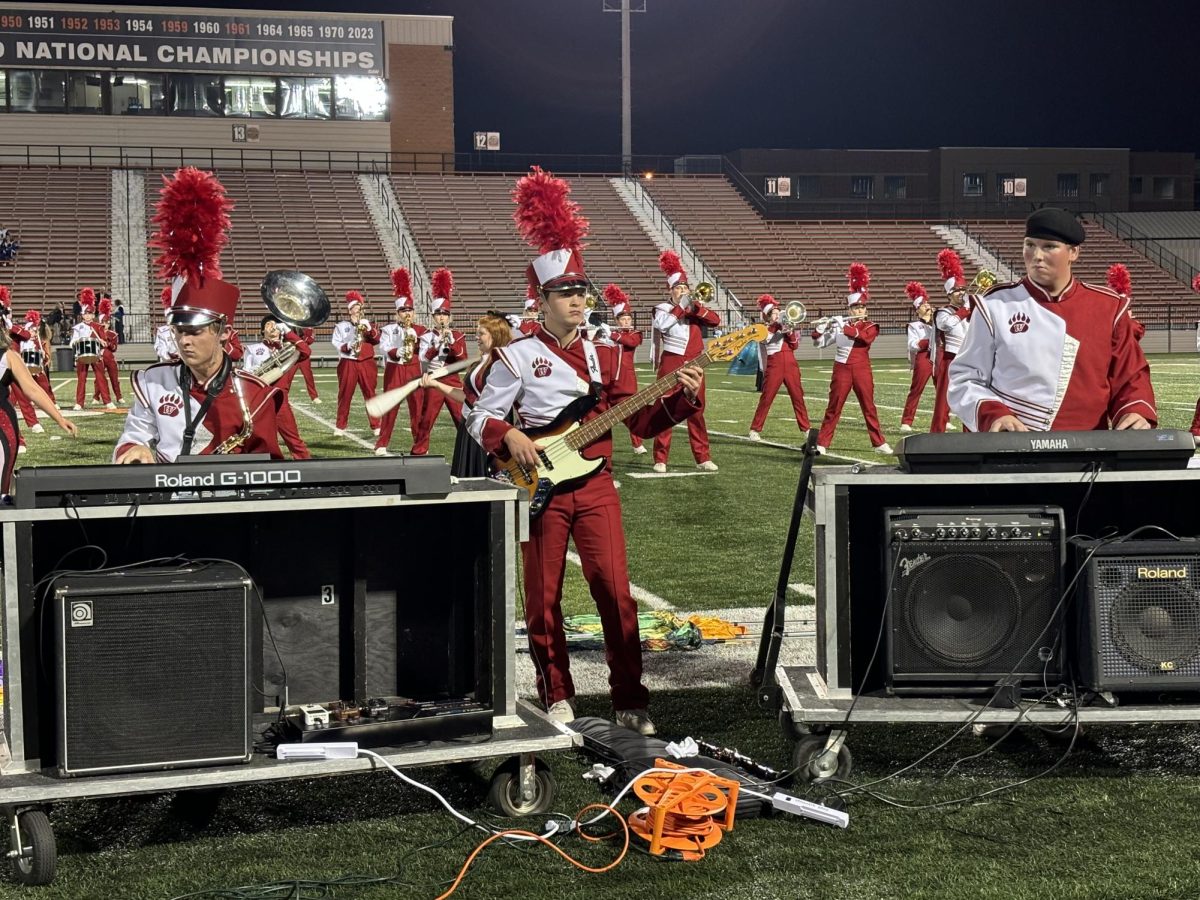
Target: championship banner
190, 43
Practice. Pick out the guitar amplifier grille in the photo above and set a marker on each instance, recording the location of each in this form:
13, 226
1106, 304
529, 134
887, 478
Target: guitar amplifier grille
153, 672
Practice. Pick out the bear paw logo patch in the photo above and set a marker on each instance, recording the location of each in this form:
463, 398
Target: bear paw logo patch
1018, 323
170, 405
541, 367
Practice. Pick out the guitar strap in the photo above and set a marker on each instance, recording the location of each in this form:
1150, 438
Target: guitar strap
593, 365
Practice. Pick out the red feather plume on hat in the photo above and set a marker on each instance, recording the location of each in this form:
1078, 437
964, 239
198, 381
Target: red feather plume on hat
669, 262
87, 296
5, 294
858, 276
765, 300
193, 225
1196, 283
165, 296
401, 282
949, 264
613, 295
532, 292
442, 282
546, 216
1119, 279
353, 297
915, 289
106, 306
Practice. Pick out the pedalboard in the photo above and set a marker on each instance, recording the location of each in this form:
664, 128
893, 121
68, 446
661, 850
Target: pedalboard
386, 721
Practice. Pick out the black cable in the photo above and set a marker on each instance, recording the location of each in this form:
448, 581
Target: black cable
1097, 468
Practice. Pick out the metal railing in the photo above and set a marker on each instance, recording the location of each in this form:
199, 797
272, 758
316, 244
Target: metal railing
1180, 269
409, 254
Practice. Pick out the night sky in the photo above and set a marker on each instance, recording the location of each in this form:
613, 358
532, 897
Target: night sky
711, 76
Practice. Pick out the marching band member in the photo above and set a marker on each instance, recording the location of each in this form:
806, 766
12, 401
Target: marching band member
529, 317
852, 363
355, 338
233, 346
777, 356
108, 353
1050, 352
274, 335
89, 330
627, 338
677, 338
920, 337
202, 404
399, 342
539, 376
28, 341
164, 337
1120, 281
308, 335
440, 346
950, 326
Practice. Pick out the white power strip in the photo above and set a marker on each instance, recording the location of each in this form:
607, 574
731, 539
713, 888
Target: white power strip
332, 750
797, 807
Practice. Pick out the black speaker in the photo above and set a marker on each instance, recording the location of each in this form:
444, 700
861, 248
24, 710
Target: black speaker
152, 669
973, 597
1137, 615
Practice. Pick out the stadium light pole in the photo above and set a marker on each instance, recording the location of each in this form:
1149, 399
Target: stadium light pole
625, 7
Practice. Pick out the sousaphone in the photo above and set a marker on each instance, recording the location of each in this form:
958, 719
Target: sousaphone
297, 301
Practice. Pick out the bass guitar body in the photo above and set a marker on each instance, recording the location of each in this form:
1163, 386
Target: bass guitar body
559, 464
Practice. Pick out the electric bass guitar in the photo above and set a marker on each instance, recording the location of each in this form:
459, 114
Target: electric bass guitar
564, 438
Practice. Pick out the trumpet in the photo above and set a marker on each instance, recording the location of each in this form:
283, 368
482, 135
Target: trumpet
793, 315
982, 281
702, 293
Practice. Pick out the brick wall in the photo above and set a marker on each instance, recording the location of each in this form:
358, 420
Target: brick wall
422, 102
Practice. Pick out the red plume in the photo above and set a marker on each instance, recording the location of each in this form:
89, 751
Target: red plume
950, 265
193, 225
532, 291
165, 297
859, 277
915, 289
106, 306
1119, 279
669, 262
1196, 283
401, 282
546, 216
614, 295
442, 282
5, 295
87, 296
353, 297
764, 300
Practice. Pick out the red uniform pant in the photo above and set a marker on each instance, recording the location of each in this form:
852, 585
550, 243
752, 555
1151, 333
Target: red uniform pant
81, 370
922, 370
697, 430
285, 424
1196, 420
23, 403
782, 371
431, 405
352, 374
941, 382
394, 376
109, 361
8, 451
854, 376
305, 367
589, 513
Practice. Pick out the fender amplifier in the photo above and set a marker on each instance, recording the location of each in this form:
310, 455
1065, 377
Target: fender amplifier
1137, 615
152, 669
974, 597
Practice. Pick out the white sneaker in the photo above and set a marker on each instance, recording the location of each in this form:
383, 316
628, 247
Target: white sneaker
660, 467
561, 711
339, 432
884, 448
906, 428
37, 428
316, 400
376, 432
821, 451
755, 436
382, 451
640, 449
76, 406
110, 405
708, 466
636, 720
22, 449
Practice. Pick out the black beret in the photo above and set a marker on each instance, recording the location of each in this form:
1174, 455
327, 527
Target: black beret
1053, 224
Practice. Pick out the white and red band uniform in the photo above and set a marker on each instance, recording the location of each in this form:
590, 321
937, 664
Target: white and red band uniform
777, 356
35, 354
165, 347
436, 352
950, 330
919, 342
108, 354
356, 368
156, 419
89, 331
254, 356
308, 335
398, 371
344, 334
1065, 363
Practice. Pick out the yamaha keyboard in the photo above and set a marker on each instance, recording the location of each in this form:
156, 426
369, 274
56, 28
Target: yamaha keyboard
1045, 451
202, 479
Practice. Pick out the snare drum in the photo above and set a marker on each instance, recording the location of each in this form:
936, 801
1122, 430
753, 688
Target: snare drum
33, 359
87, 350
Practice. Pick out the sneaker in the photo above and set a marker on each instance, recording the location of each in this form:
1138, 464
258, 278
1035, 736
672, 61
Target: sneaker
339, 432
708, 466
22, 449
37, 428
906, 428
316, 400
376, 431
821, 451
110, 405
639, 449
636, 720
561, 711
382, 451
884, 448
660, 467
754, 435
76, 406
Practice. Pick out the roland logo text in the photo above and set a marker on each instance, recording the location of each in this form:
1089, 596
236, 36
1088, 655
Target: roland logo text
1161, 572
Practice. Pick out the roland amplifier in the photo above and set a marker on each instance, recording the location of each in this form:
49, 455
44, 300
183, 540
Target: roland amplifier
1137, 615
974, 597
152, 669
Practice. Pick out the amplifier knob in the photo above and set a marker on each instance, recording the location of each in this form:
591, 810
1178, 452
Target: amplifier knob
975, 532
964, 532
1016, 532
917, 533
903, 535
940, 533
991, 533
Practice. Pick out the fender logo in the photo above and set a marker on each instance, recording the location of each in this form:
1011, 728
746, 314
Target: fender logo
910, 563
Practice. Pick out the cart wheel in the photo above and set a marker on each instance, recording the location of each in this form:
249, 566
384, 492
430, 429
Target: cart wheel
812, 763
504, 793
39, 856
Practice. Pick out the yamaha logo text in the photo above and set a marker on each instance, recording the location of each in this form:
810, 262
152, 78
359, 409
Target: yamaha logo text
1161, 572
1049, 444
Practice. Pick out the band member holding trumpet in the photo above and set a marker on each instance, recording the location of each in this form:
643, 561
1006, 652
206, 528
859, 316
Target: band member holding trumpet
777, 355
626, 337
164, 338
853, 337
108, 353
354, 339
267, 354
677, 338
1049, 352
950, 324
440, 346
920, 336
399, 343
202, 404
540, 376
87, 337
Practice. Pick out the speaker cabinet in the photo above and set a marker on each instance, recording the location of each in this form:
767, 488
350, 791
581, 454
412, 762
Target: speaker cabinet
152, 669
1137, 615
972, 597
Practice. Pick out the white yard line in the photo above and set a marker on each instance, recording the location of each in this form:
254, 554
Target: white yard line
804, 590
665, 474
640, 594
302, 407
882, 460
